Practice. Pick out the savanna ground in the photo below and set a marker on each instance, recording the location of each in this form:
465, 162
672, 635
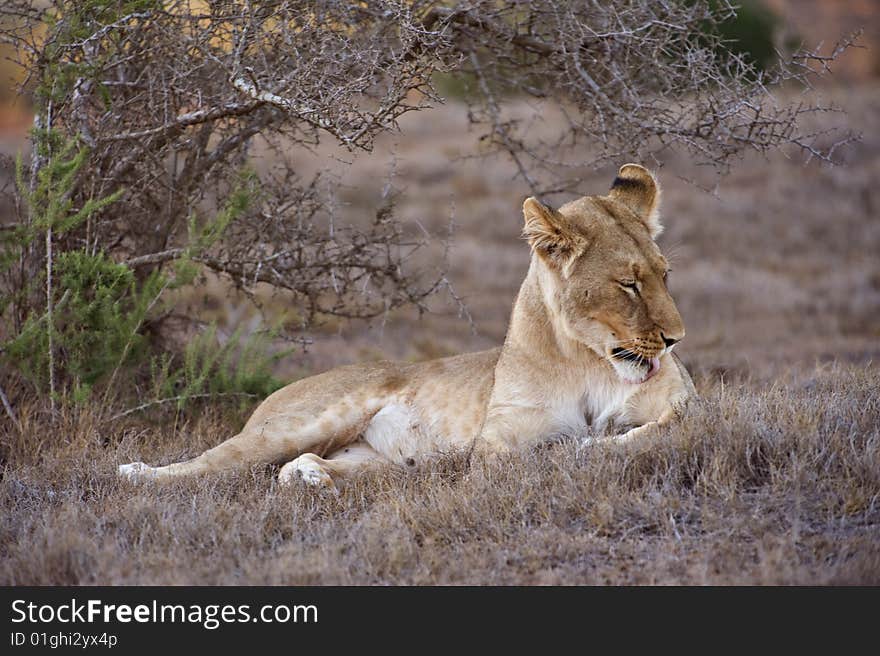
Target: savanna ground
773, 478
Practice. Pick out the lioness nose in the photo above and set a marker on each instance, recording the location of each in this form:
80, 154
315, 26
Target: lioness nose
669, 341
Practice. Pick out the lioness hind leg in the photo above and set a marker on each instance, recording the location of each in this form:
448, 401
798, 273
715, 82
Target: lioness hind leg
323, 472
239, 451
272, 438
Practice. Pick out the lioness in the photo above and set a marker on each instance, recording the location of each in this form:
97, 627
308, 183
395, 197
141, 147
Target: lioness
589, 346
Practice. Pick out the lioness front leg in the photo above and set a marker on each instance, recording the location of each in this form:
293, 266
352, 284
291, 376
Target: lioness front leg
664, 419
324, 472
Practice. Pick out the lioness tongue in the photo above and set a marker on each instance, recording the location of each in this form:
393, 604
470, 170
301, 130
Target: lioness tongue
655, 367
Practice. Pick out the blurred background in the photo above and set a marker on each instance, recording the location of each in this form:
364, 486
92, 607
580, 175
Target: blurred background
775, 265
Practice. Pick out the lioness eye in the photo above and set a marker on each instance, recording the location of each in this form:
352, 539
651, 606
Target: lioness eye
628, 284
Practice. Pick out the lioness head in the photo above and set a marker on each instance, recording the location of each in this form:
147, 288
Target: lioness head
604, 277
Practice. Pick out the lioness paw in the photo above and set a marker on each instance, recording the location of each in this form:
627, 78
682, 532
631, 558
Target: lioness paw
136, 470
306, 469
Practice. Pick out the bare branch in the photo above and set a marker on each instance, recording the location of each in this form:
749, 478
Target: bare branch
170, 100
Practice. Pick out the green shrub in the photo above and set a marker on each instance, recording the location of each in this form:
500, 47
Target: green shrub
239, 367
90, 286
95, 324
89, 325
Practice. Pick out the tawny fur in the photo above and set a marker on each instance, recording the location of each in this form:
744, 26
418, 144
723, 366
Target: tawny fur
595, 289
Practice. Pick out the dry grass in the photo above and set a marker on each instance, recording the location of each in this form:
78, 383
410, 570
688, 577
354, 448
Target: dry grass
774, 478
760, 484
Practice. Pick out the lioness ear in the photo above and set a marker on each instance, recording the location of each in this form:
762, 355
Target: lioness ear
545, 229
637, 188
